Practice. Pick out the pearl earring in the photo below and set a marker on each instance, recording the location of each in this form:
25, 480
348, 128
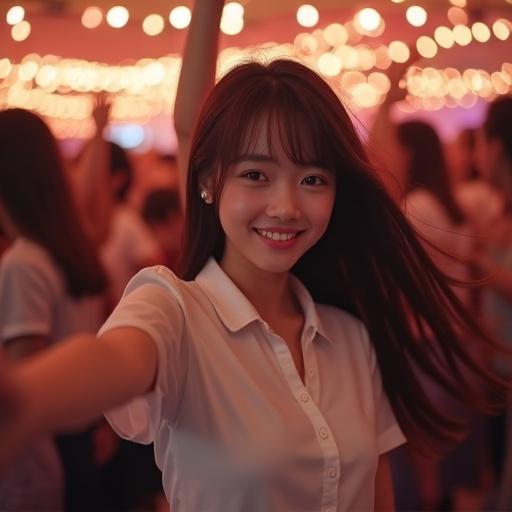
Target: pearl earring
205, 196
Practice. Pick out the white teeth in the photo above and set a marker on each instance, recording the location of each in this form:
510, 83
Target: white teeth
282, 237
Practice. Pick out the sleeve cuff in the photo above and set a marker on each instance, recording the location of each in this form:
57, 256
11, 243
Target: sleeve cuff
389, 439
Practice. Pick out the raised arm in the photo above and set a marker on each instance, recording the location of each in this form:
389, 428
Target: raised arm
197, 77
72, 383
91, 177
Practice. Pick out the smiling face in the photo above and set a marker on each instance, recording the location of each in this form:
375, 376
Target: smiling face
272, 210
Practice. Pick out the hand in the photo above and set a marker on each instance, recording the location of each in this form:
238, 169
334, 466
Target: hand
105, 442
101, 111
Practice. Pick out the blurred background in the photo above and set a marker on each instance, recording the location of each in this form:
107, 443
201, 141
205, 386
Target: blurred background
393, 62
55, 54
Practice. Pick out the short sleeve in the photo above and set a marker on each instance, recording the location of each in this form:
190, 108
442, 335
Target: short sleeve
151, 303
27, 294
388, 433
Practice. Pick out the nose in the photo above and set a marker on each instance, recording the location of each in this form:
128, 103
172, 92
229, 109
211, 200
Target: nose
283, 203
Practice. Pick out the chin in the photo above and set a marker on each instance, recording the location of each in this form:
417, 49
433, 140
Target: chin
277, 265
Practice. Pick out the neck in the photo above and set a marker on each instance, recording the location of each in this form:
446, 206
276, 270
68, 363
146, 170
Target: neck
270, 293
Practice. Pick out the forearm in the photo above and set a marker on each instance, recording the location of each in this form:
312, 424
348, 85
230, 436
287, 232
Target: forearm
92, 188
71, 384
197, 76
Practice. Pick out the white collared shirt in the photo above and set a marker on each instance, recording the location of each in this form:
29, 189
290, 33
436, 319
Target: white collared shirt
234, 427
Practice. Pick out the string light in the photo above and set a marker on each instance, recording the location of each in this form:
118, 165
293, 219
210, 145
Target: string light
426, 47
153, 24
118, 16
307, 15
180, 17
92, 17
481, 32
369, 19
142, 90
462, 35
15, 15
399, 51
416, 15
20, 31
444, 37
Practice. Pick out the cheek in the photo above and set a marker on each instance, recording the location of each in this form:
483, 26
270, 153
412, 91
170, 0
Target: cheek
236, 208
320, 213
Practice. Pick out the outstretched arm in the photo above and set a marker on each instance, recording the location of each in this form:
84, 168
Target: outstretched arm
72, 383
197, 77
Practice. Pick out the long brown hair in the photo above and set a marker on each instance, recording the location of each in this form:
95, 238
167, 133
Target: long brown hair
369, 262
36, 195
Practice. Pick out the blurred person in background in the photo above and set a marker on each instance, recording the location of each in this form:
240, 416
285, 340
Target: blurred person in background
130, 245
495, 261
413, 155
161, 211
52, 285
481, 203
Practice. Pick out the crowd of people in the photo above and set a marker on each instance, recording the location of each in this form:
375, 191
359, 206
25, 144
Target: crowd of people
303, 323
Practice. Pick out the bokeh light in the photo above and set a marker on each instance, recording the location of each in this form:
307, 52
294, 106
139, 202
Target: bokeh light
444, 37
481, 32
153, 24
118, 16
399, 51
369, 19
15, 15
180, 17
307, 15
92, 17
416, 15
426, 47
231, 26
20, 31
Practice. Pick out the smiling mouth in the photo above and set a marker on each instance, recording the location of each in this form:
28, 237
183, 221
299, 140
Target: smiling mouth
277, 237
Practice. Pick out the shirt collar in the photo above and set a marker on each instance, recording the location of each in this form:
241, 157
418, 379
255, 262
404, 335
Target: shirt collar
235, 310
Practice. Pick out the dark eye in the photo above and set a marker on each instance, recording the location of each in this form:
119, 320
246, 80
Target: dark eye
253, 175
314, 180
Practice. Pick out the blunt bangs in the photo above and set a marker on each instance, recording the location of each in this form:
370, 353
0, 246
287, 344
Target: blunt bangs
299, 118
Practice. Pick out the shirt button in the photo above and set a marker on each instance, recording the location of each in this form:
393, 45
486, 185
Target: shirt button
304, 397
323, 433
333, 472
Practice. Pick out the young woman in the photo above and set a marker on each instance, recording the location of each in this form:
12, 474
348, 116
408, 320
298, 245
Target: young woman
282, 369
51, 283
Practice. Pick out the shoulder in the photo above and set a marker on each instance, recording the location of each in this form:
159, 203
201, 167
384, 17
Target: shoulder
28, 261
159, 284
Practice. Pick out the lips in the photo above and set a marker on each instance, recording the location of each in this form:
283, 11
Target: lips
277, 236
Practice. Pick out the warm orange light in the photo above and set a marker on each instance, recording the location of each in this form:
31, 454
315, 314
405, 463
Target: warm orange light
399, 51
416, 15
426, 47
307, 15
369, 19
444, 37
92, 17
20, 31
